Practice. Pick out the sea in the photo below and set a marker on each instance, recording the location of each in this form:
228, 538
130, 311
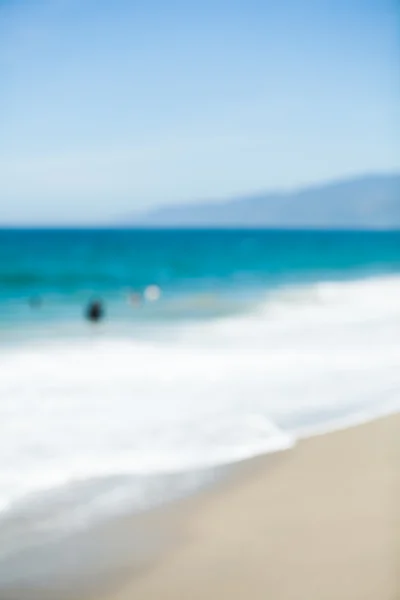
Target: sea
256, 340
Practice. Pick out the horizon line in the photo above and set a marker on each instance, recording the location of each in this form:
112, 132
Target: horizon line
112, 223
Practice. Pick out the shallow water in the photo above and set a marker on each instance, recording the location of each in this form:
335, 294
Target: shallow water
259, 338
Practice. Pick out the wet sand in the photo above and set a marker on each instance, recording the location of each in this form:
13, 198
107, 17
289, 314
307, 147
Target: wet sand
319, 522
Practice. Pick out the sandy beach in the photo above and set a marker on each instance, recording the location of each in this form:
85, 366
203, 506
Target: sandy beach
317, 522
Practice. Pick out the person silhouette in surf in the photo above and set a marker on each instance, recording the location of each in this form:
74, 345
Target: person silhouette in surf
95, 311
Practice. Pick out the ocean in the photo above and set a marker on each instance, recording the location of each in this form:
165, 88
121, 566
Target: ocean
258, 339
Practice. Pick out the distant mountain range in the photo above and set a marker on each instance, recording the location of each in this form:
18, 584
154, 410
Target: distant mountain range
369, 202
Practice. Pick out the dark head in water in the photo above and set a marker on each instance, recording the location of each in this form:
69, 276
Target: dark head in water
95, 311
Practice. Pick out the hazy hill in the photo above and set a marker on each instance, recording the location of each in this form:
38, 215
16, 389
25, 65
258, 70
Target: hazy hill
363, 202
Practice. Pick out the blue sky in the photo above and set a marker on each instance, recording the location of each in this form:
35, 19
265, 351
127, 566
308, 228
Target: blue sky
111, 107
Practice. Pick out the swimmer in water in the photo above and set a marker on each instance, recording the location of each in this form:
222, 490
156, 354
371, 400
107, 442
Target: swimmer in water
134, 298
95, 311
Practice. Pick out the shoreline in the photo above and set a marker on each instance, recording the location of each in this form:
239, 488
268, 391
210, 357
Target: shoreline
143, 555
323, 516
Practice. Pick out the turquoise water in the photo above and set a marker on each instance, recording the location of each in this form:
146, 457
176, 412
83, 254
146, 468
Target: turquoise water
66, 268
259, 338
66, 262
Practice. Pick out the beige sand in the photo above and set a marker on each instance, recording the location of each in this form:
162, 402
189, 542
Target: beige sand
321, 522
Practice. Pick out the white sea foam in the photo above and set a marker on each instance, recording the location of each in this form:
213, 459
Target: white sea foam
305, 361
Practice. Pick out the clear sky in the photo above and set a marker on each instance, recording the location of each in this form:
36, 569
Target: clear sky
112, 106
